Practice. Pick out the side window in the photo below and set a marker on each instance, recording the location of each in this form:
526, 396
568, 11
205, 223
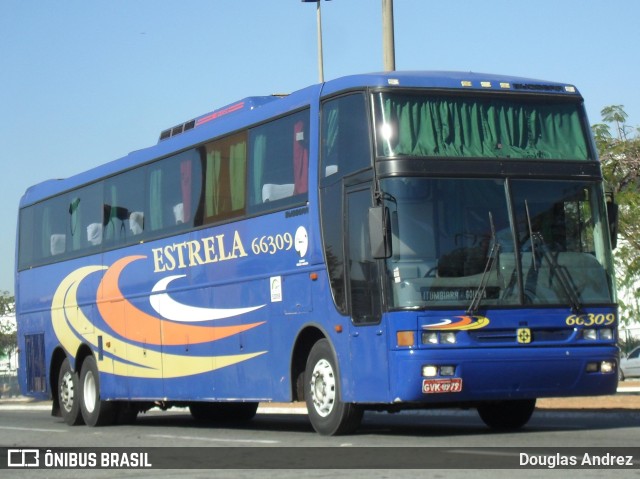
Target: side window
224, 179
85, 218
346, 145
363, 270
60, 227
43, 232
123, 209
29, 233
173, 192
54, 219
279, 162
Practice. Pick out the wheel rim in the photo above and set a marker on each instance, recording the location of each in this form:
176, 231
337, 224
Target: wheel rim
89, 392
323, 387
67, 391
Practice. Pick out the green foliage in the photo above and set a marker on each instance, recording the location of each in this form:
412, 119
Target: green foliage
627, 344
618, 145
8, 336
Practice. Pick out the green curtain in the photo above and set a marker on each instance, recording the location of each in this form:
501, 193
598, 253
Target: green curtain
330, 154
237, 173
258, 160
212, 175
467, 127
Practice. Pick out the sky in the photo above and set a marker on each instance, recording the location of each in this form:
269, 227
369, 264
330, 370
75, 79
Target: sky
83, 83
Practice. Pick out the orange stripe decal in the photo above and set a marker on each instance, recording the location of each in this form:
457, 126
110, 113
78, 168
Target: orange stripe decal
117, 312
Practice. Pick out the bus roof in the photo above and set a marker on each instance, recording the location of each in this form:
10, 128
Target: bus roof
252, 110
447, 80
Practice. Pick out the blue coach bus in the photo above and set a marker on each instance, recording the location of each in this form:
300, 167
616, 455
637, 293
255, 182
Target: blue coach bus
375, 242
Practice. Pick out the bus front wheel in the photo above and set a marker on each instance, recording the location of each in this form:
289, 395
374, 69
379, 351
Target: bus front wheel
329, 416
69, 394
94, 411
504, 415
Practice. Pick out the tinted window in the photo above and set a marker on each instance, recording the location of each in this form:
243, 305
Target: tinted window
364, 290
203, 185
346, 146
225, 170
124, 207
84, 213
173, 191
279, 161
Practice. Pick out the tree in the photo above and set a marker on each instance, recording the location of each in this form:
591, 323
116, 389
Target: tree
8, 335
619, 152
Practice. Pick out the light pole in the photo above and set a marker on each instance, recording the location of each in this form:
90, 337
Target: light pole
319, 22
388, 42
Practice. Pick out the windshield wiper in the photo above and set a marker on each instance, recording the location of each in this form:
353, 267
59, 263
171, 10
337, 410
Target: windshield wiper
564, 277
491, 256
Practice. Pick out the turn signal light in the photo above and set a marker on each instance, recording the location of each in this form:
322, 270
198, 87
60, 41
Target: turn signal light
405, 338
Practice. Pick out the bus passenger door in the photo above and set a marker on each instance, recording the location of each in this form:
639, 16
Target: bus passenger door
368, 335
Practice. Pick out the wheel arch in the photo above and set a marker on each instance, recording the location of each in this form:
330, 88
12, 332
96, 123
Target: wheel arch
307, 337
57, 357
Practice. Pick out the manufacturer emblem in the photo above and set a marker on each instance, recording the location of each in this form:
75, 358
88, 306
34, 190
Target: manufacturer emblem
523, 335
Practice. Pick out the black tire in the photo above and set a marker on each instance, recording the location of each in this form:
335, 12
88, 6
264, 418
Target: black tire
329, 416
69, 394
94, 411
228, 413
505, 415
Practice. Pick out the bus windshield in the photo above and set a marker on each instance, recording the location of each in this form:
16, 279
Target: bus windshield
513, 242
434, 125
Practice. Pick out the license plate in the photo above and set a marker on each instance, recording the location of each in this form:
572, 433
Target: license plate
437, 386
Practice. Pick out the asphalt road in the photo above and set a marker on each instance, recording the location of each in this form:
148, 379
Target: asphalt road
459, 439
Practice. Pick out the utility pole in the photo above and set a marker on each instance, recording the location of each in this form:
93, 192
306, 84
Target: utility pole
388, 42
319, 29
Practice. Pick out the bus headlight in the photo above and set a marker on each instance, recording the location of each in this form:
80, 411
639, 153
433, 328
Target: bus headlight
447, 370
430, 337
429, 371
607, 367
444, 337
448, 337
606, 334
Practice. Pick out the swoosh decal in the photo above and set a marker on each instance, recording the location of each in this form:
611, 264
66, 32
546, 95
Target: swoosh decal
464, 323
167, 307
124, 359
442, 323
147, 329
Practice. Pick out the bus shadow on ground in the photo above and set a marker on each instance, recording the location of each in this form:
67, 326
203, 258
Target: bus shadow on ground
434, 423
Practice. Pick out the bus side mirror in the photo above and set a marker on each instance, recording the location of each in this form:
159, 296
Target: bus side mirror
612, 214
380, 232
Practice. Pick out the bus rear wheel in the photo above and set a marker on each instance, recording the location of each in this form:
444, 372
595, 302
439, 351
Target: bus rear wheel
94, 411
329, 416
506, 415
69, 394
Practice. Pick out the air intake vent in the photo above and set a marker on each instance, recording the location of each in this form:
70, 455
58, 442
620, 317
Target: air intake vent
248, 104
176, 130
